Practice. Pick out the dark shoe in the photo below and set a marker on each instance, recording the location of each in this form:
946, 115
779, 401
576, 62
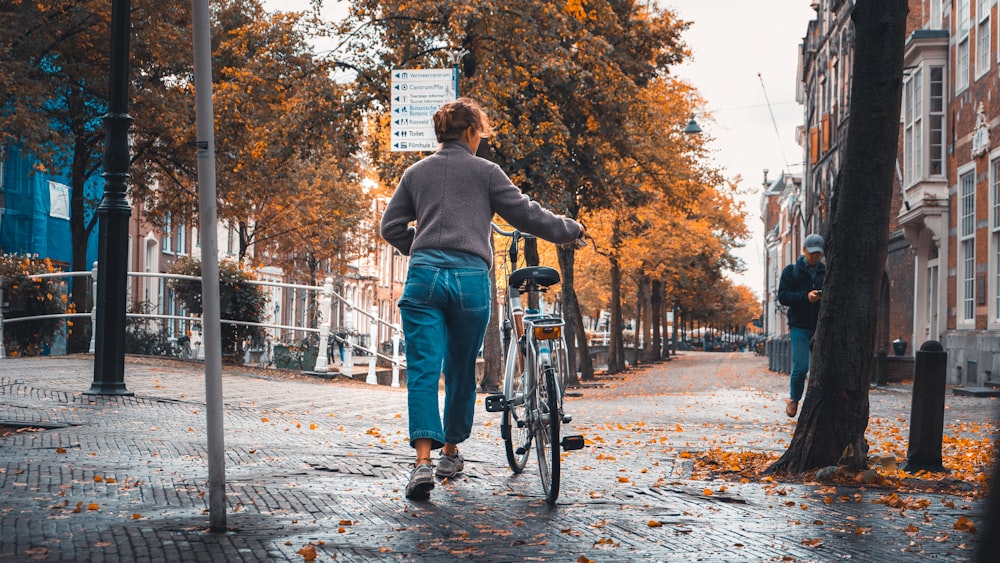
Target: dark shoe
450, 465
791, 408
421, 482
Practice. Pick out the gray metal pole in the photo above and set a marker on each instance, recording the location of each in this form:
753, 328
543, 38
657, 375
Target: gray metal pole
208, 219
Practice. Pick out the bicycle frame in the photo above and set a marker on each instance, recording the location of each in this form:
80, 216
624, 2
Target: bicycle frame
536, 365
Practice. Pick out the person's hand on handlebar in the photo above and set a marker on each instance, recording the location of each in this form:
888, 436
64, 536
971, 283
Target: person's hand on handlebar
579, 242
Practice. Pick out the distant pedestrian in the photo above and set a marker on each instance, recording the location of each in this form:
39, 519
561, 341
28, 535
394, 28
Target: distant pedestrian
452, 196
801, 289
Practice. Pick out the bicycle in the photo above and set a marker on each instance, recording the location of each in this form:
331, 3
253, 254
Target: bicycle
534, 375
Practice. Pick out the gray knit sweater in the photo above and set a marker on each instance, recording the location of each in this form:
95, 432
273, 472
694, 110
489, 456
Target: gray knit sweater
452, 195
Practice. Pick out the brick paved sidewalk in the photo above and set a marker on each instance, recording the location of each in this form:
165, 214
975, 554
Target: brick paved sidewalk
320, 465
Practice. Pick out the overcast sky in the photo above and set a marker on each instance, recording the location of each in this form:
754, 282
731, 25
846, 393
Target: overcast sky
741, 49
732, 41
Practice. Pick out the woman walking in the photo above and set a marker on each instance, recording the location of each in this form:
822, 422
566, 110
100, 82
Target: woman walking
451, 196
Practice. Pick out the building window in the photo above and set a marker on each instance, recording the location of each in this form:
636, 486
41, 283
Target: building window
180, 240
935, 14
983, 36
962, 53
967, 244
230, 240
935, 121
913, 123
166, 244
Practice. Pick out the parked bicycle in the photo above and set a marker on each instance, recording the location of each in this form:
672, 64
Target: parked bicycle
535, 373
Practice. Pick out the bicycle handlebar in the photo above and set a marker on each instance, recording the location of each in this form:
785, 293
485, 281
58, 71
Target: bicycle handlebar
515, 234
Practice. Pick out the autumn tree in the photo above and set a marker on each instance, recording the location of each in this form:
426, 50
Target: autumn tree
279, 113
686, 246
288, 136
559, 100
831, 426
54, 77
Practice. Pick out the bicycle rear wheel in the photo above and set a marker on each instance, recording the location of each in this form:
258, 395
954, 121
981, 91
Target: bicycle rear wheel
547, 434
514, 424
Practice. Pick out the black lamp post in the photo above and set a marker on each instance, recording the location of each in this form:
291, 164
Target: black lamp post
113, 212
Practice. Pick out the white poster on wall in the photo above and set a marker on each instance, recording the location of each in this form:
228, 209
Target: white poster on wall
58, 200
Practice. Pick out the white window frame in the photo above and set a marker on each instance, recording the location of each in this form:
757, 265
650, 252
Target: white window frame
180, 240
936, 116
993, 276
936, 8
166, 236
962, 51
965, 271
923, 116
983, 37
913, 123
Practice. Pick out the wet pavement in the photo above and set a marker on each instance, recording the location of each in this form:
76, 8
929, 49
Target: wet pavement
317, 467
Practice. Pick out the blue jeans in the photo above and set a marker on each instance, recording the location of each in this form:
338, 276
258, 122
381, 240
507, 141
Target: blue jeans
801, 340
445, 313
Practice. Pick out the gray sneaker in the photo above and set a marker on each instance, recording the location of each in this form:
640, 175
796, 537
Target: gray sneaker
450, 465
421, 482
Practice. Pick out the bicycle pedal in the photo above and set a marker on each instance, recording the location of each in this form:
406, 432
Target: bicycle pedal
570, 443
521, 450
495, 403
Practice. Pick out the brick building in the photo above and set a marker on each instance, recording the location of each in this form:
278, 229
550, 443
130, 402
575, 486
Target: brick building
952, 183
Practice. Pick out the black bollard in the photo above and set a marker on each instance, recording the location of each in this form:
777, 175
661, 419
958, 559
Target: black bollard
927, 414
881, 368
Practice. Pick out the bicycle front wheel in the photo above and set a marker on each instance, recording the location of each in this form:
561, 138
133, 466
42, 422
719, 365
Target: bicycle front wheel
514, 423
547, 445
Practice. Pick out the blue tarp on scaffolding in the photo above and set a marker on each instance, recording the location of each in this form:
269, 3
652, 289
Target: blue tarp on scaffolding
36, 210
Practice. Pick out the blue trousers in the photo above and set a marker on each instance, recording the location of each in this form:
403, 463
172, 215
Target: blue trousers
801, 340
445, 313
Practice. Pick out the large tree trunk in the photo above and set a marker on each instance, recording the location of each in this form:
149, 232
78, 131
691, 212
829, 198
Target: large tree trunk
616, 349
653, 352
641, 317
493, 367
78, 339
831, 427
989, 536
570, 309
586, 367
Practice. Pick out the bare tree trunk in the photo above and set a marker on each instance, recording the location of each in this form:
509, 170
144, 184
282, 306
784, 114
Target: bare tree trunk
831, 427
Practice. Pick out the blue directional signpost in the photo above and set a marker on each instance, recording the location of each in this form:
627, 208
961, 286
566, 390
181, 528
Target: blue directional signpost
416, 95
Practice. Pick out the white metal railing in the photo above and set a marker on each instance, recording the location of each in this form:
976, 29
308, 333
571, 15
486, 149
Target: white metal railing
326, 293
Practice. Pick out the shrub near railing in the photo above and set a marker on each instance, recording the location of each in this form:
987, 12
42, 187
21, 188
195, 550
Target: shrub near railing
28, 297
238, 301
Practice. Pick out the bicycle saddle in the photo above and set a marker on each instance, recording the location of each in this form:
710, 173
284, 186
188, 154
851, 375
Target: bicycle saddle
542, 276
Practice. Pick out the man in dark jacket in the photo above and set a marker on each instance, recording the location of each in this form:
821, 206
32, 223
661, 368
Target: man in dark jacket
800, 289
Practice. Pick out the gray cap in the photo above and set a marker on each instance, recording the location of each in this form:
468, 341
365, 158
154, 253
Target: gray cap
813, 243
